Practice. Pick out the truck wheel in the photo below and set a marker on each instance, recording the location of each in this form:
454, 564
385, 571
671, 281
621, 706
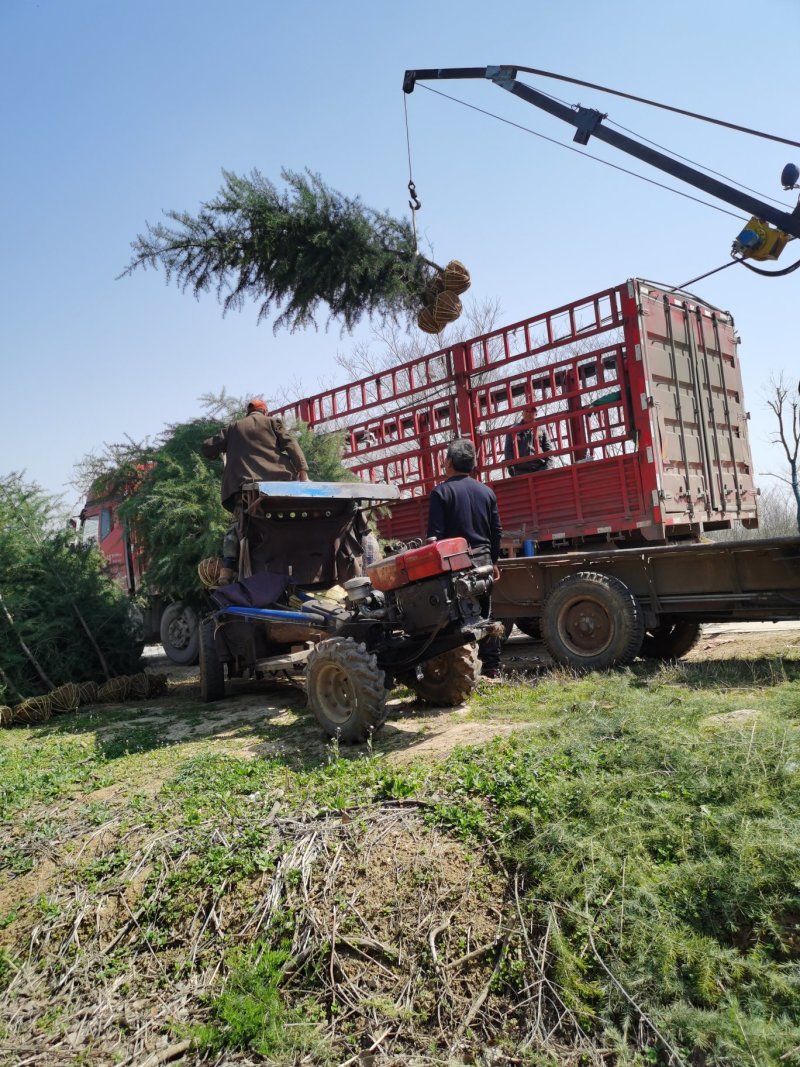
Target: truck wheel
345, 689
671, 640
212, 670
530, 626
179, 634
449, 679
592, 621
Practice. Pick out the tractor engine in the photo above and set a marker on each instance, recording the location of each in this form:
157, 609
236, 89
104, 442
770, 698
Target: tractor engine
424, 589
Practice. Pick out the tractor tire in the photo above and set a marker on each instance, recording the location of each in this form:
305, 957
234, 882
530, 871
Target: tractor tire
212, 669
671, 640
345, 689
532, 626
179, 634
592, 621
449, 679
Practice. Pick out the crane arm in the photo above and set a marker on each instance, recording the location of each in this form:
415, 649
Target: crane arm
589, 123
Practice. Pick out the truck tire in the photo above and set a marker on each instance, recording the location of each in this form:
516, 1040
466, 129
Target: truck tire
592, 621
179, 634
532, 626
212, 670
345, 689
671, 640
449, 679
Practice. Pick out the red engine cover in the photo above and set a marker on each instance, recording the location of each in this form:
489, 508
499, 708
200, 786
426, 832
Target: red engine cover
451, 554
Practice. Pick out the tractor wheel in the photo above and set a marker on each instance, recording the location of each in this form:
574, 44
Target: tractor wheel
345, 689
532, 626
449, 679
212, 670
671, 640
179, 634
592, 621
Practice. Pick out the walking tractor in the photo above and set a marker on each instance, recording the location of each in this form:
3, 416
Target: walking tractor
306, 610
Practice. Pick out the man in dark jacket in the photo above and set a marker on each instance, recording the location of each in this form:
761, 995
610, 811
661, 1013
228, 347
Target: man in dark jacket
257, 448
526, 441
465, 507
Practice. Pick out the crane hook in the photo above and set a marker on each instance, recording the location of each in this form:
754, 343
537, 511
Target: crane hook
414, 203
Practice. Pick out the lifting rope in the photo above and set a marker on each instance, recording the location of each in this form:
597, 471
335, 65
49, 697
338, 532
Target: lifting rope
414, 203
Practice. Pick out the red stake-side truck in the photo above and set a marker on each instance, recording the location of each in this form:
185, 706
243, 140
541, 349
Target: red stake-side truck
639, 391
174, 625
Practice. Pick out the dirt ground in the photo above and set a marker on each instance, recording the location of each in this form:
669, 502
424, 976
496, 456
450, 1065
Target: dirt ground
268, 718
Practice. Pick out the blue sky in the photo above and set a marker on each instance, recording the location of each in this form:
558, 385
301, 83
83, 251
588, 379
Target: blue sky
113, 112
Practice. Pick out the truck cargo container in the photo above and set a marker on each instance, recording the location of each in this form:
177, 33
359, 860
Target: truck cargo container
637, 388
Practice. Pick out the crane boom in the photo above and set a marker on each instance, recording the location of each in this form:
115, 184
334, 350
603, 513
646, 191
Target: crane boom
589, 123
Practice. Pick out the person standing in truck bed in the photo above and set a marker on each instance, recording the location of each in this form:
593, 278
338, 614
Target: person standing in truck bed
527, 445
464, 507
257, 448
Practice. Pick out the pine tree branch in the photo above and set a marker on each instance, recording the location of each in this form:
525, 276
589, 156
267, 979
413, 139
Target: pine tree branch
85, 626
33, 660
290, 251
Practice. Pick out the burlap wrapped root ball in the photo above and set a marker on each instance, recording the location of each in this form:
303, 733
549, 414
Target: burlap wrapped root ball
6, 715
455, 278
442, 305
445, 308
156, 685
87, 692
115, 691
33, 710
209, 571
140, 686
65, 698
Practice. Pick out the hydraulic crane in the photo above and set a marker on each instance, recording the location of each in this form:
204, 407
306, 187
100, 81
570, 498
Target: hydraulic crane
768, 230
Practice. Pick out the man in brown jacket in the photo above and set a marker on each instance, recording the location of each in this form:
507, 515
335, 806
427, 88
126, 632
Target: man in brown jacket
257, 448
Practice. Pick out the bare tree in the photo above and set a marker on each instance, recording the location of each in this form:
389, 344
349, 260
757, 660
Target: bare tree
785, 404
777, 517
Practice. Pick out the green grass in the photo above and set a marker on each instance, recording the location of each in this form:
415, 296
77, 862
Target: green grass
664, 850
658, 845
250, 1012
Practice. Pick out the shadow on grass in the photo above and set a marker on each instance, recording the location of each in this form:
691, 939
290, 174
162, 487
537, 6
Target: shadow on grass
270, 719
760, 672
265, 719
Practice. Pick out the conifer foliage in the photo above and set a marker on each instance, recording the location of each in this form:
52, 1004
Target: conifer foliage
170, 499
61, 619
170, 494
290, 251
